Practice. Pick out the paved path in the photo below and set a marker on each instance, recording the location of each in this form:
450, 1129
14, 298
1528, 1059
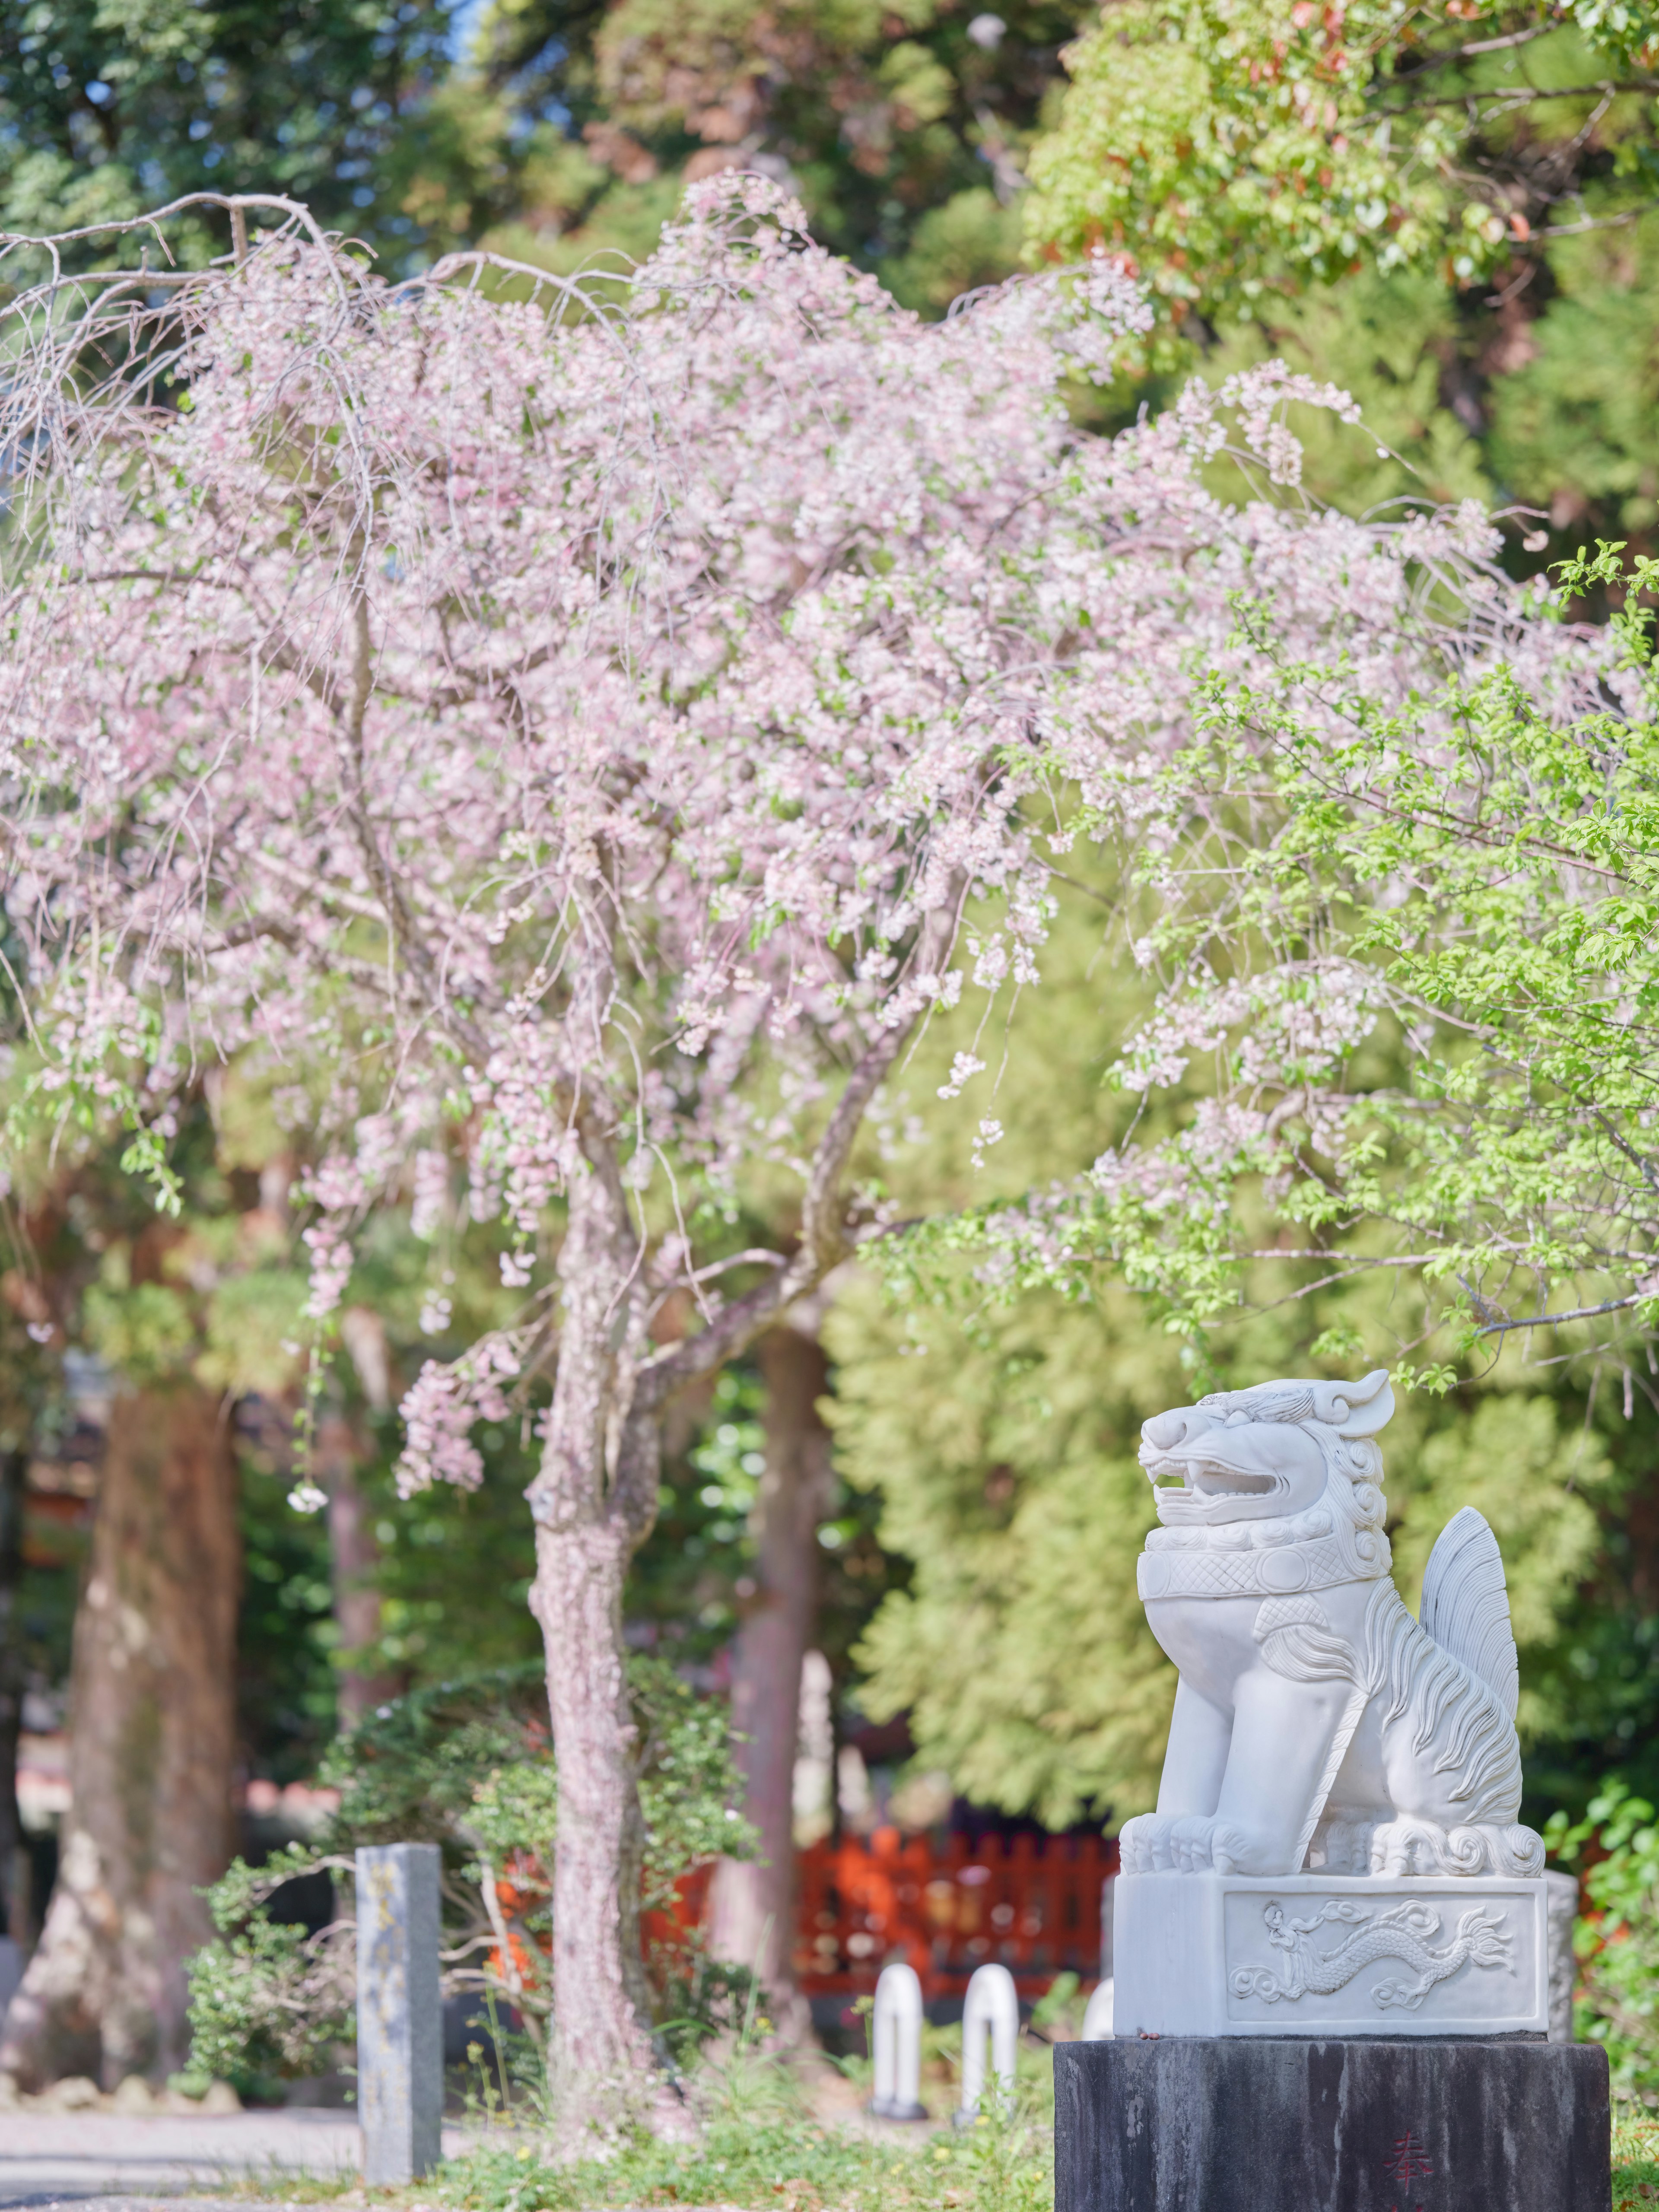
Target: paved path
54, 2157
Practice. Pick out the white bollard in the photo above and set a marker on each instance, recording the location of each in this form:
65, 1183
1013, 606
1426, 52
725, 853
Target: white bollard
896, 2038
400, 2057
1098, 2017
993, 2007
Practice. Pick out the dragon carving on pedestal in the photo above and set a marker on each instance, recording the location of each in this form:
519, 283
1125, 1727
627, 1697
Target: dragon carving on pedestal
1404, 1932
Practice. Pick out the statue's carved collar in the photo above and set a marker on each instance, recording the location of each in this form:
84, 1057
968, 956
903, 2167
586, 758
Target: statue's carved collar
1263, 1567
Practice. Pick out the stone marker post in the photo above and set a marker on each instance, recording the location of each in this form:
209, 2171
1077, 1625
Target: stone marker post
400, 2068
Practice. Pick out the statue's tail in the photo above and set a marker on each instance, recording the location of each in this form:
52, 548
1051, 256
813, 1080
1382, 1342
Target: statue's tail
1466, 1604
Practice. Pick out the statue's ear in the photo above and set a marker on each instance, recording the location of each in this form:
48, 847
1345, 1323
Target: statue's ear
1356, 1409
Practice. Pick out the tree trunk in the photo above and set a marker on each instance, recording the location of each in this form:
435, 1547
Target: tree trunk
354, 1556
14, 1860
593, 1500
152, 1745
752, 1907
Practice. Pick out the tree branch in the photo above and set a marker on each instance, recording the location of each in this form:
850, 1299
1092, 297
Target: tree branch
1575, 1313
824, 1239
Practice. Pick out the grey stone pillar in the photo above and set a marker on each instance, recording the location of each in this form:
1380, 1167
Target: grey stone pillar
400, 2061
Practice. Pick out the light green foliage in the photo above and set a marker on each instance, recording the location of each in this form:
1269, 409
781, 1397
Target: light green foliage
1200, 139
622, 220
1618, 1942
1009, 2158
1020, 1652
689, 1787
1635, 2159
1432, 932
1005, 1461
465, 1763
999, 1435
1530, 1468
1492, 873
735, 2163
226, 1309
971, 239
1274, 169
800, 2167
144, 1330
1232, 150
760, 2146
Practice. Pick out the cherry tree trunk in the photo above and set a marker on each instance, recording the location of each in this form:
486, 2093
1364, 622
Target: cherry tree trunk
152, 1700
753, 1901
605, 2065
593, 1500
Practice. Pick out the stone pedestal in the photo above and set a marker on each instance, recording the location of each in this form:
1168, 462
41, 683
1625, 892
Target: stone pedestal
1203, 1954
1245, 2124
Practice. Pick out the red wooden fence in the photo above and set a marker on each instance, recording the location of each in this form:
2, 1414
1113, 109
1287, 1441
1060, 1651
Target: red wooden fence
1030, 1902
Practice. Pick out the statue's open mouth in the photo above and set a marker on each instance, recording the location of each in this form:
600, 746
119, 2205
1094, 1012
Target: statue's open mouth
1208, 1477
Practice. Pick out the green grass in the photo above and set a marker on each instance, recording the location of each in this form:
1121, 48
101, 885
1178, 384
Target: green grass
758, 2153
790, 2167
1635, 2161
784, 2161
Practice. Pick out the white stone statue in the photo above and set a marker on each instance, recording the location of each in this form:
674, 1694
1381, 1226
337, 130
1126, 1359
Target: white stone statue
1336, 1847
1316, 1723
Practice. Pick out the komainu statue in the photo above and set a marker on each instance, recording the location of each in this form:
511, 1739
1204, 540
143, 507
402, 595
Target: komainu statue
1316, 1724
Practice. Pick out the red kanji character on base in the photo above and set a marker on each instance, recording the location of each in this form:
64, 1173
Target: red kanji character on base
1405, 2162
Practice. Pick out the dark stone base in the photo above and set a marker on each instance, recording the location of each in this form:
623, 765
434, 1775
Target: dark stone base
1238, 2124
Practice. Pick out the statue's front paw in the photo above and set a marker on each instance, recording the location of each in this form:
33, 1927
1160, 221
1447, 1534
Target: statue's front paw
1201, 1845
1191, 1843
1144, 1844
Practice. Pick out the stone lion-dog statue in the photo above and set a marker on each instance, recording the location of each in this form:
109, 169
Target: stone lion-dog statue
1316, 1724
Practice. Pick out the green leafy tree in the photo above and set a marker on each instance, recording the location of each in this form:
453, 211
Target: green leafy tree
180, 1317
1007, 1470
1419, 959
1232, 151
1446, 213
1397, 1082
106, 110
